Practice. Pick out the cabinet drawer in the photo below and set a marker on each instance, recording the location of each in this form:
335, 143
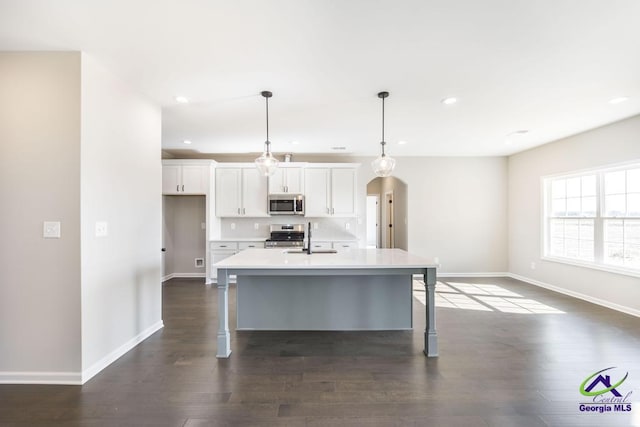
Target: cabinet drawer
224, 245
247, 245
345, 245
321, 245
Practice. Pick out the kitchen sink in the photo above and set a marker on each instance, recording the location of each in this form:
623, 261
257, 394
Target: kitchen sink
313, 251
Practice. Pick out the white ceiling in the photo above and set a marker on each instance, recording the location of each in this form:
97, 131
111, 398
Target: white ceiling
549, 66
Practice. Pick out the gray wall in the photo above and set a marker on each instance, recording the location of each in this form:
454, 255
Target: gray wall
40, 181
618, 142
457, 210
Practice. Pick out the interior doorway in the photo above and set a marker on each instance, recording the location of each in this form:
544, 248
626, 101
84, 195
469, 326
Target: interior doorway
390, 213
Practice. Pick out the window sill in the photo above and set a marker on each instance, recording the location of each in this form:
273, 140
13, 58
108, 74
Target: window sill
607, 268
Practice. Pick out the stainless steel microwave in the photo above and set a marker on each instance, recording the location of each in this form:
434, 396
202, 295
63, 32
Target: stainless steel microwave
286, 204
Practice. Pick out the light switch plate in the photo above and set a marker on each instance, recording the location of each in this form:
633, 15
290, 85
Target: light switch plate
102, 229
315, 225
256, 226
51, 230
233, 225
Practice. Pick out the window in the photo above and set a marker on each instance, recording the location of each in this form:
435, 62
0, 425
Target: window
593, 218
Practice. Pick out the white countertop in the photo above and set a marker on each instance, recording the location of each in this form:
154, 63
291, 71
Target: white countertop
354, 258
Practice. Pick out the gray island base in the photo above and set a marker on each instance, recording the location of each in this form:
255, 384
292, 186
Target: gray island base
359, 289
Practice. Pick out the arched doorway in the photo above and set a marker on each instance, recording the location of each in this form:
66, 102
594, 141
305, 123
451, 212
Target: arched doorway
387, 211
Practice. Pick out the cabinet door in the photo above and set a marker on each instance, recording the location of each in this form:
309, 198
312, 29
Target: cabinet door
171, 179
228, 189
293, 180
195, 179
316, 193
276, 182
343, 192
254, 193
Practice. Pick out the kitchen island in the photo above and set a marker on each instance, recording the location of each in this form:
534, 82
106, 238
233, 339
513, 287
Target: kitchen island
358, 289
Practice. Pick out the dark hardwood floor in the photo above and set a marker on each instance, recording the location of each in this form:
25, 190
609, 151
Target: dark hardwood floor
511, 354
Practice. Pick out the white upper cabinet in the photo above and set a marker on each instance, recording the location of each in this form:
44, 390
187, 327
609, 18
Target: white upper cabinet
287, 180
330, 192
240, 192
316, 192
343, 192
228, 192
254, 193
185, 178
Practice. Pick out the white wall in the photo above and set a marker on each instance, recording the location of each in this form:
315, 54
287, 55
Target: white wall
121, 273
610, 144
39, 181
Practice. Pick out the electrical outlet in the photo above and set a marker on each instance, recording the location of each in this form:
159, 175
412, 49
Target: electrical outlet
102, 229
533, 265
256, 226
315, 225
203, 225
347, 226
51, 230
233, 225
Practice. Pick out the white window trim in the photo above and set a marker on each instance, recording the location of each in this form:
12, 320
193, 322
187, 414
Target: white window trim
598, 220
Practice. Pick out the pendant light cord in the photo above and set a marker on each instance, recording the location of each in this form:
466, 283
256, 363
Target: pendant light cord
267, 142
382, 143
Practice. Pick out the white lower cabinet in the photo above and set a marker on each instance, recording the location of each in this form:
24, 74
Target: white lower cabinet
344, 245
221, 249
339, 246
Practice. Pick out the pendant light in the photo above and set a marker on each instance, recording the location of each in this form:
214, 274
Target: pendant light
266, 163
383, 165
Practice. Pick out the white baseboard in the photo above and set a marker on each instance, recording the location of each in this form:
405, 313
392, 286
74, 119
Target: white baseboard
77, 378
585, 297
61, 378
183, 276
89, 373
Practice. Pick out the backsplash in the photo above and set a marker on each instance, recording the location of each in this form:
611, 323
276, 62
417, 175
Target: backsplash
328, 228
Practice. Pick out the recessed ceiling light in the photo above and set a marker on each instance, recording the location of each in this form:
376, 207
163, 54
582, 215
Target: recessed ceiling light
182, 100
402, 142
338, 148
518, 132
295, 142
618, 100
449, 101
186, 141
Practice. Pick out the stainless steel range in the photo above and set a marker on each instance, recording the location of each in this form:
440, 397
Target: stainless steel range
286, 236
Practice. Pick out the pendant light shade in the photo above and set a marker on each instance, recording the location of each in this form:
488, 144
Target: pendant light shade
383, 165
266, 163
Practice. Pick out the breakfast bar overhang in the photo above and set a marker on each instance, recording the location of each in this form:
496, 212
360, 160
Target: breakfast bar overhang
358, 289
